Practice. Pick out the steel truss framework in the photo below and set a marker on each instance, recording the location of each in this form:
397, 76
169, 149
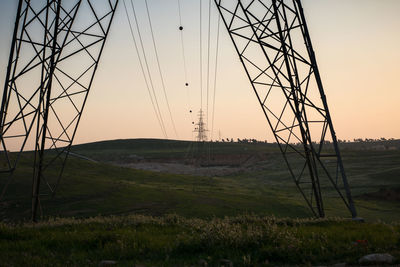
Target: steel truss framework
274, 46
55, 52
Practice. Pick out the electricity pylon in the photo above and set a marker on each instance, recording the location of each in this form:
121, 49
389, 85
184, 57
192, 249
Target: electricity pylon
201, 129
273, 43
55, 51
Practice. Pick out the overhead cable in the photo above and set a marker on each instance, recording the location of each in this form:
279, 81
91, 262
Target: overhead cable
144, 73
189, 105
148, 69
208, 57
215, 76
159, 68
201, 57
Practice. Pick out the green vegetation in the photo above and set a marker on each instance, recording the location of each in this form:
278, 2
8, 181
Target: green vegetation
90, 189
117, 150
108, 211
175, 241
265, 188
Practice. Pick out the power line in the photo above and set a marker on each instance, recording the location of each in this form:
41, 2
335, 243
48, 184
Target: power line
201, 58
215, 84
181, 28
215, 76
159, 68
144, 73
148, 69
182, 42
208, 56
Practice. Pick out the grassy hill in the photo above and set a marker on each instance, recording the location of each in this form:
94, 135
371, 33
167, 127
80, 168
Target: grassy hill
264, 188
116, 150
105, 209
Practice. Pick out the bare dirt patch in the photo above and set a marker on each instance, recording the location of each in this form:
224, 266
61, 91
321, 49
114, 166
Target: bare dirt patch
217, 165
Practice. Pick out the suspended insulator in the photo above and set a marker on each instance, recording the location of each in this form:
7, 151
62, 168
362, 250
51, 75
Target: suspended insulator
186, 84
180, 28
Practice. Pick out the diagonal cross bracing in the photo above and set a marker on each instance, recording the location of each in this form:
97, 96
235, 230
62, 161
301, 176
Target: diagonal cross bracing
274, 47
53, 61
52, 64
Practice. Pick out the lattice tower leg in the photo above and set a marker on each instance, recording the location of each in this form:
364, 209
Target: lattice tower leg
274, 46
53, 60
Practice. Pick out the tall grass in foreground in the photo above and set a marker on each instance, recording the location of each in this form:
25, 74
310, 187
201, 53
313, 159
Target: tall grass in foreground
173, 240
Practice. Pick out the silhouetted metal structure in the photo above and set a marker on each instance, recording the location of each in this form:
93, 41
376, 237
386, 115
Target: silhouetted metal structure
55, 51
274, 46
201, 129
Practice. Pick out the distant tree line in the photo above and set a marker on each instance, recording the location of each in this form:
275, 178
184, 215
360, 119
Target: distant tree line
360, 140
369, 140
245, 141
255, 141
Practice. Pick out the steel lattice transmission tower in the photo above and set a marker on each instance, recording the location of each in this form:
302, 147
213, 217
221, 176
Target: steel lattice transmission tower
274, 46
55, 51
201, 129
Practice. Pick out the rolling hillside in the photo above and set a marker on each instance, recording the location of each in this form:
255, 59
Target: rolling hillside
258, 183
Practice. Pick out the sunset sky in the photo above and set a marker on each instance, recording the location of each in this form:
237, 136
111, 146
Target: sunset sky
357, 44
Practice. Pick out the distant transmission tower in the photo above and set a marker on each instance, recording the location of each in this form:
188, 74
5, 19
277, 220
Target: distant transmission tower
201, 129
274, 46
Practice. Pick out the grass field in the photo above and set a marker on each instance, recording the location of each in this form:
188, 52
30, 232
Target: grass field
172, 240
102, 188
251, 217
